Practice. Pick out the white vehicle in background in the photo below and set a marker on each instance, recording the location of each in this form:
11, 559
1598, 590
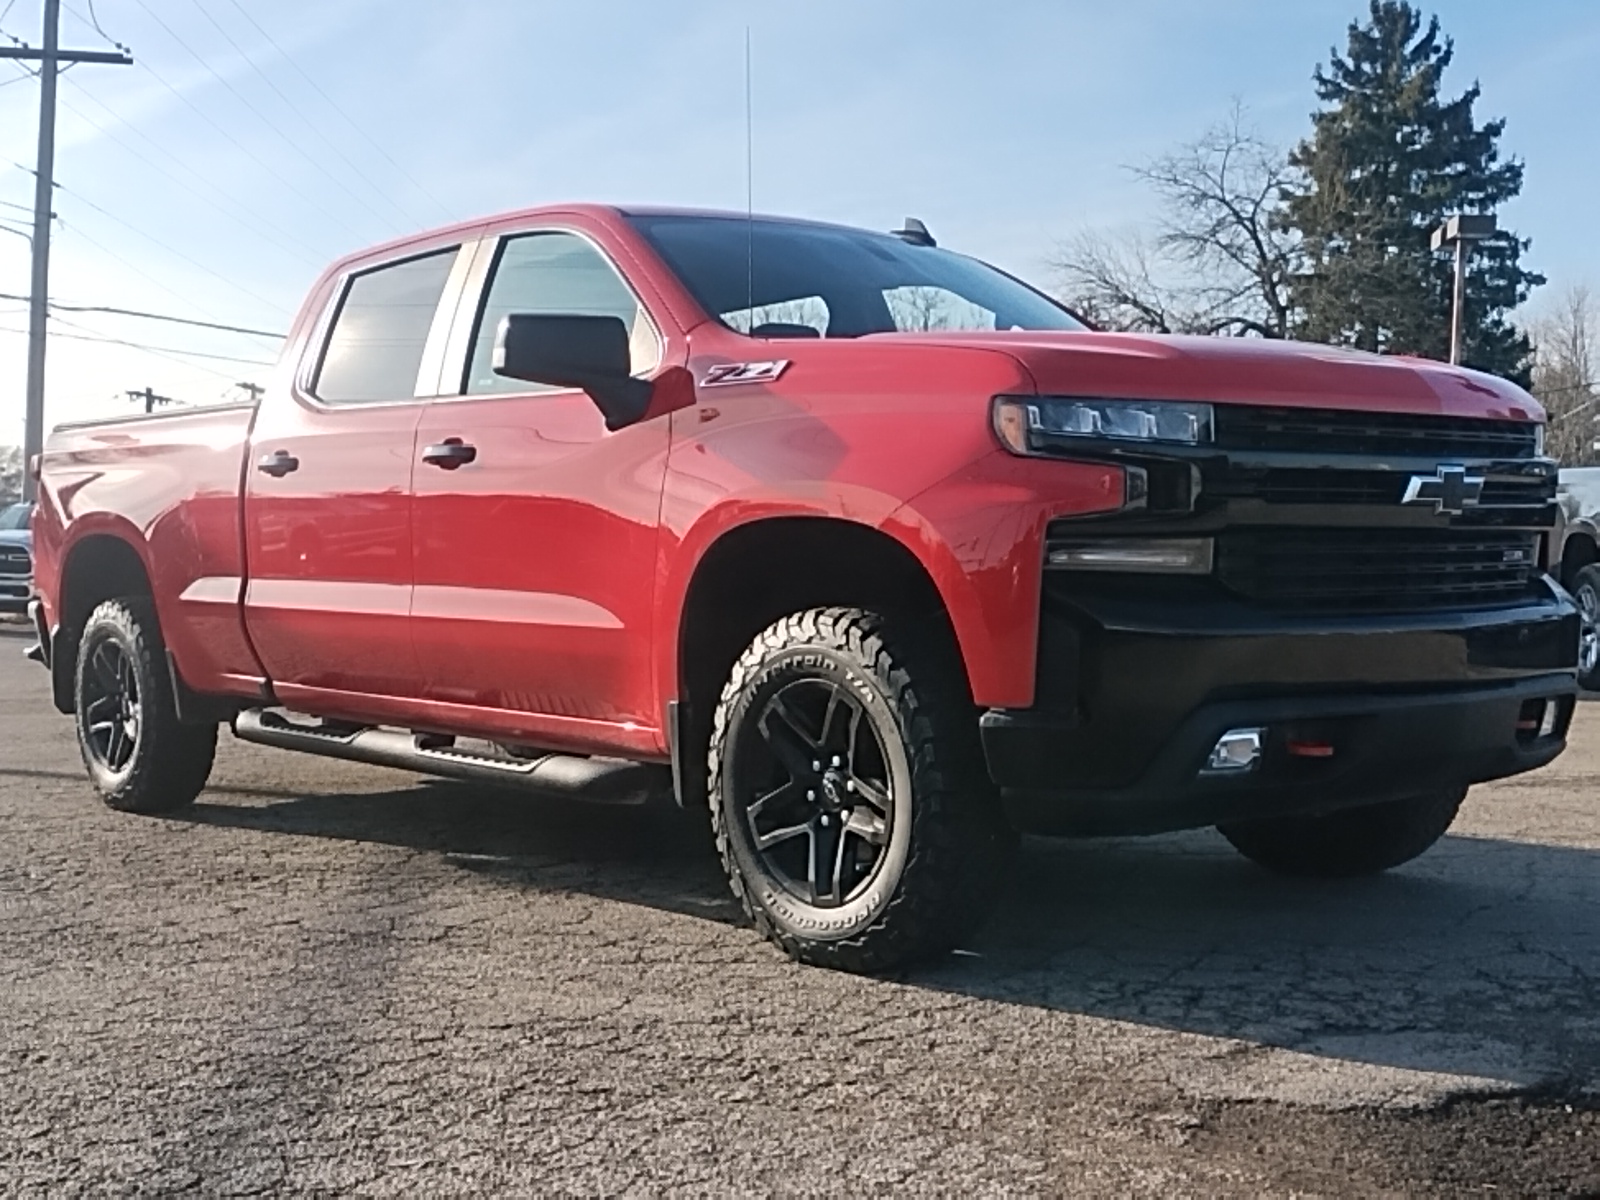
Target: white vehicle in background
1579, 498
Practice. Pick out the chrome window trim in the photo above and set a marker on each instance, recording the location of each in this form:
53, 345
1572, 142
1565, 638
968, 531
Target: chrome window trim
430, 368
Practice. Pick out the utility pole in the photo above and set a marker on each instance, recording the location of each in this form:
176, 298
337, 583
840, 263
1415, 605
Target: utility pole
149, 399
49, 59
253, 389
1458, 233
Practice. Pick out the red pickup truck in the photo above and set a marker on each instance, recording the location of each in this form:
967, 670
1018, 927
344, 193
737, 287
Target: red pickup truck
869, 547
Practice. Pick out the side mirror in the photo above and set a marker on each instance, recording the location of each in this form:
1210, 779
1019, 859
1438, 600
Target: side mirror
568, 350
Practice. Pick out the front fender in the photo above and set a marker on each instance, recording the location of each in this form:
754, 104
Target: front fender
978, 533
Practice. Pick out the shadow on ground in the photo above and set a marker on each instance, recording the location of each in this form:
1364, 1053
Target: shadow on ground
1481, 959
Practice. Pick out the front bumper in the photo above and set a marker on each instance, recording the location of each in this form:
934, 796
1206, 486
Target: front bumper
15, 592
1138, 680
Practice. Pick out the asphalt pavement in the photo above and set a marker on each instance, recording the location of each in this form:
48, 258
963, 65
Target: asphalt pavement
335, 978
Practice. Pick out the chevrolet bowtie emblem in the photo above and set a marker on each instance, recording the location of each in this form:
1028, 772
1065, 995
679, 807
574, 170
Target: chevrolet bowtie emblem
1451, 490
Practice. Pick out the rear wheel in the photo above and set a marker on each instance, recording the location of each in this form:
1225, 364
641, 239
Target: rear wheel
850, 804
1586, 590
1351, 842
140, 757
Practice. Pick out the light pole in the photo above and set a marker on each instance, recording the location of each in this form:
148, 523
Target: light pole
1458, 233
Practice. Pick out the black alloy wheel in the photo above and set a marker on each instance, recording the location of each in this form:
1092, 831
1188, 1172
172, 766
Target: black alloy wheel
112, 712
813, 782
851, 804
140, 756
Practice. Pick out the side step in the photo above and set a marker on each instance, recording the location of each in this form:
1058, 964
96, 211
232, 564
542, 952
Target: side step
596, 780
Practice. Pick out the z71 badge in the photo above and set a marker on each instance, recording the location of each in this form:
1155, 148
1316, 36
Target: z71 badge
728, 374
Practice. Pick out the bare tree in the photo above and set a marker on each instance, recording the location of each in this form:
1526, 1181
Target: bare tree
1566, 377
10, 474
1221, 260
1111, 280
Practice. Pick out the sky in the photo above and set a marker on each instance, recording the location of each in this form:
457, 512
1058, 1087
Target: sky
254, 141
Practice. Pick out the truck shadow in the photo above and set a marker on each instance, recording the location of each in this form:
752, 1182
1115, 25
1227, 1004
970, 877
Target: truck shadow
1481, 959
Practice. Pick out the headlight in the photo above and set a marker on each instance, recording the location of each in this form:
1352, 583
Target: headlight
1538, 441
1020, 423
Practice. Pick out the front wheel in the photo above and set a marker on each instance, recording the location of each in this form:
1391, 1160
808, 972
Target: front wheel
851, 808
1351, 842
140, 757
1586, 590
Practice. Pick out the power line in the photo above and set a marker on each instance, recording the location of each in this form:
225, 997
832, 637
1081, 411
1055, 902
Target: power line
77, 231
164, 350
348, 119
95, 24
250, 220
263, 118
173, 250
150, 316
310, 124
274, 175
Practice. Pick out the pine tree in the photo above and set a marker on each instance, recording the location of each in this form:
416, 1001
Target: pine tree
1387, 161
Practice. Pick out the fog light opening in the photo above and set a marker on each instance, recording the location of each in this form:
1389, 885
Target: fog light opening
1237, 752
1552, 714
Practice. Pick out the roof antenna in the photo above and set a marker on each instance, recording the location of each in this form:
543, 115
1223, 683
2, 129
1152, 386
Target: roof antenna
749, 191
916, 233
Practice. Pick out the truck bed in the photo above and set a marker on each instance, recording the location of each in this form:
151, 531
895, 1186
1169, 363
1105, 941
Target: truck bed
169, 485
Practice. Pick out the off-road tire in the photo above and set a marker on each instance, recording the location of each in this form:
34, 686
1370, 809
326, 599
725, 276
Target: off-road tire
169, 761
1586, 590
934, 887
1351, 842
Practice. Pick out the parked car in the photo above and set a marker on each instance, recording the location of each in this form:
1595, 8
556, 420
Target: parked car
870, 547
16, 558
1579, 498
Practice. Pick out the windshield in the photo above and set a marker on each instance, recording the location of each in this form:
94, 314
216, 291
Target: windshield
15, 516
791, 279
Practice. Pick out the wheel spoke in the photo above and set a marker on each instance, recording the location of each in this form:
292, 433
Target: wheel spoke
868, 826
872, 793
795, 748
97, 706
106, 670
789, 791
114, 745
765, 841
820, 871
839, 856
835, 699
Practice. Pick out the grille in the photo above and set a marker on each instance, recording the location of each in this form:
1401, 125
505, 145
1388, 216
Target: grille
1326, 431
1377, 570
15, 561
1330, 486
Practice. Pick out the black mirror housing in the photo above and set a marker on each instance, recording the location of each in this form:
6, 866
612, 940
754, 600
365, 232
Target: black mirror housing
573, 350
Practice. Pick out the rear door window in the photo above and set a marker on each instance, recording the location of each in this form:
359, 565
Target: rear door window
375, 348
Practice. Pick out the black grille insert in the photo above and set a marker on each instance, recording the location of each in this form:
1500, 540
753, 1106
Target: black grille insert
1283, 485
15, 561
1332, 431
1377, 570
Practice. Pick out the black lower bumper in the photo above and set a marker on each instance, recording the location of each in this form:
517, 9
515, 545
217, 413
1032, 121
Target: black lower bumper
1136, 686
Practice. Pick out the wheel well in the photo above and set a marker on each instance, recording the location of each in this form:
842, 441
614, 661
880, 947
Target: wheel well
98, 569
1579, 552
767, 569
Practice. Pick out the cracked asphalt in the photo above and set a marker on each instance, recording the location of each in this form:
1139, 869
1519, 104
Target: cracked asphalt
335, 978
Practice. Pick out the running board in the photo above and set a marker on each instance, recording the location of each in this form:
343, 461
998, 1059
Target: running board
595, 780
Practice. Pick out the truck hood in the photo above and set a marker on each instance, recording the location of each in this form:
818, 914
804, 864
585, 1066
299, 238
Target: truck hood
1245, 371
